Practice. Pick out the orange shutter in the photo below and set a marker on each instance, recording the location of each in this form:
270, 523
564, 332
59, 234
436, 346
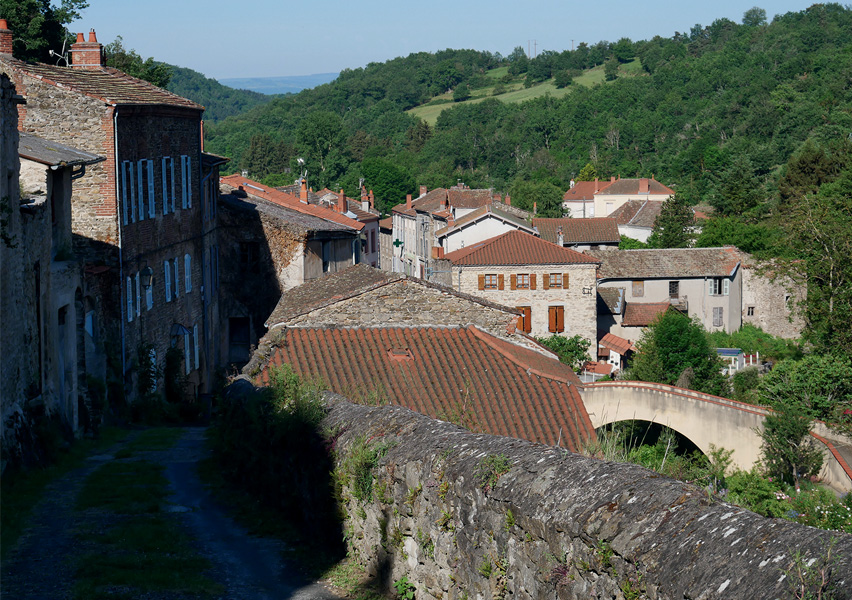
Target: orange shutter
565, 277
551, 319
513, 282
527, 319
532, 281
560, 319
500, 281
482, 282
545, 281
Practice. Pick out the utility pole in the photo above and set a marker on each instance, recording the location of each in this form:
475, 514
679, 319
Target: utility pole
572, 45
535, 48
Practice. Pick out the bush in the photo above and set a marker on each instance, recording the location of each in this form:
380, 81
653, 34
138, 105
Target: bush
745, 384
573, 351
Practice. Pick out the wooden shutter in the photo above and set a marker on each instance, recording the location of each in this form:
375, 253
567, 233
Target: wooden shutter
129, 300
545, 281
124, 206
482, 282
551, 319
726, 286
527, 319
165, 162
565, 279
532, 281
138, 295
177, 278
560, 319
500, 281
196, 345
513, 282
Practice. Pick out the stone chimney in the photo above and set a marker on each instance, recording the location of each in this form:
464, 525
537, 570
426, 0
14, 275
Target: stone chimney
445, 199
572, 185
342, 203
372, 199
423, 190
87, 55
408, 201
303, 192
643, 185
508, 200
560, 237
5, 38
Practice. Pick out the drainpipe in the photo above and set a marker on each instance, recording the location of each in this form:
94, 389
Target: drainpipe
205, 385
122, 288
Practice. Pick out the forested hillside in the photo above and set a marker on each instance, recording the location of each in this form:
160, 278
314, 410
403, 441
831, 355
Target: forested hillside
219, 101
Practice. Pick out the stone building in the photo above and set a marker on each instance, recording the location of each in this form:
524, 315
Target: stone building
579, 234
619, 191
479, 225
553, 287
43, 331
141, 219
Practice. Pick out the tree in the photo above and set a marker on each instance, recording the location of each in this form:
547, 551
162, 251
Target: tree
544, 196
674, 345
266, 156
788, 451
628, 243
319, 134
390, 183
563, 79
673, 226
623, 50
38, 26
754, 17
573, 351
588, 173
134, 65
518, 61
611, 69
461, 93
731, 231
739, 191
815, 385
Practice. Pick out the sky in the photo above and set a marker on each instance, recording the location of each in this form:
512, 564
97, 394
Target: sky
271, 38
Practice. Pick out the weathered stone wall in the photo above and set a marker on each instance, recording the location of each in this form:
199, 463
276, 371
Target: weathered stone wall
774, 303
556, 524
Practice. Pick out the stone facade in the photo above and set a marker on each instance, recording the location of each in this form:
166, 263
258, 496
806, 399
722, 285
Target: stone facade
774, 305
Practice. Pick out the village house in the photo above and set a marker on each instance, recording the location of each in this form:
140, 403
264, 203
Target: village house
276, 242
579, 234
386, 244
579, 200
479, 225
43, 330
141, 220
553, 287
636, 218
608, 199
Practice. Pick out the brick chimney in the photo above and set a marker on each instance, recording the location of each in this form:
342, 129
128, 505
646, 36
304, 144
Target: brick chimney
87, 55
508, 200
423, 190
408, 201
303, 192
372, 199
342, 203
445, 200
5, 38
611, 179
365, 202
643, 185
535, 208
597, 185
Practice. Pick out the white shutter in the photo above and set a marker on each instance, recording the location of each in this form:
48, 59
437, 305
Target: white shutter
140, 188
726, 286
138, 295
183, 181
186, 352
189, 182
152, 209
152, 362
195, 343
168, 280
177, 279
124, 207
165, 163
129, 299
172, 183
149, 296
187, 273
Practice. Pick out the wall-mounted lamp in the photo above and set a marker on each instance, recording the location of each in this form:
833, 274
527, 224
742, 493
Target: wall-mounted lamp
146, 276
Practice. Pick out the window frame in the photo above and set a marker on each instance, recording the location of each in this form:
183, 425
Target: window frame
491, 281
555, 280
523, 281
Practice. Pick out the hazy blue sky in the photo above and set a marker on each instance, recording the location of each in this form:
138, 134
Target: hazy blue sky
264, 38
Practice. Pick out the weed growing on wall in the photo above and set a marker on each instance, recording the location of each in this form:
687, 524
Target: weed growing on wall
490, 469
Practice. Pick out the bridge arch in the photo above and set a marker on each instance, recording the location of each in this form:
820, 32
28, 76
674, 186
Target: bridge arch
703, 419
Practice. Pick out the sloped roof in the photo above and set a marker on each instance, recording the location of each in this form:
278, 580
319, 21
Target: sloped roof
632, 186
617, 344
642, 314
432, 201
485, 212
353, 206
584, 191
386, 223
517, 248
105, 83
610, 300
53, 154
499, 388
669, 263
579, 231
291, 219
637, 213
258, 190
597, 367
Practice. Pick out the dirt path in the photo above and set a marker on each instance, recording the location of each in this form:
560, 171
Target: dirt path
249, 567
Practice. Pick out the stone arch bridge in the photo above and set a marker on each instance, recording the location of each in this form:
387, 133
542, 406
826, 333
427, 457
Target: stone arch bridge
706, 420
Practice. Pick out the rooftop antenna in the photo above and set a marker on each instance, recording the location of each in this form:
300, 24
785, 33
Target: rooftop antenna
61, 55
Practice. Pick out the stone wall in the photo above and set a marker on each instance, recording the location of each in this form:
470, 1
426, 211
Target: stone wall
775, 304
555, 525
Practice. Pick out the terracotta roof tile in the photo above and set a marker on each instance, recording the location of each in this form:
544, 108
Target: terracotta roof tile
584, 190
611, 300
618, 344
494, 386
633, 186
386, 223
105, 83
638, 213
670, 263
642, 314
432, 201
517, 248
487, 211
597, 367
579, 231
253, 188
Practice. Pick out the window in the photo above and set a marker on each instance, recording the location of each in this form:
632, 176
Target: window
239, 338
523, 281
177, 278
556, 319
491, 281
674, 289
717, 316
128, 195
638, 289
195, 348
145, 188
750, 311
249, 256
373, 242
168, 165
167, 277
187, 364
719, 286
138, 295
149, 296
186, 181
187, 273
554, 280
129, 299
525, 324
326, 257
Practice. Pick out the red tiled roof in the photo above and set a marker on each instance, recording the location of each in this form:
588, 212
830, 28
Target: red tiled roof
494, 386
618, 344
579, 231
638, 213
487, 211
105, 83
353, 206
642, 314
517, 248
669, 263
597, 367
431, 202
634, 186
584, 190
386, 223
253, 188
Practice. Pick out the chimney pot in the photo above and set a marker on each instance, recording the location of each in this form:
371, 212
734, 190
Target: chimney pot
80, 38
93, 39
508, 200
303, 192
535, 207
423, 190
6, 38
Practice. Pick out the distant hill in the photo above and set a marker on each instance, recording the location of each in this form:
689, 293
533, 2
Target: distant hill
280, 85
220, 101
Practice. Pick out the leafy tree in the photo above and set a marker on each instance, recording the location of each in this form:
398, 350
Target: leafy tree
739, 191
134, 65
814, 385
808, 169
266, 156
611, 69
518, 61
754, 17
674, 345
563, 78
545, 196
219, 101
461, 93
731, 231
628, 243
588, 173
788, 451
319, 135
417, 136
390, 183
573, 351
673, 226
623, 50
38, 26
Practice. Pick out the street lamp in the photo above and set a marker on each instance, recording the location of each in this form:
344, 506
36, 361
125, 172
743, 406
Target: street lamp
147, 277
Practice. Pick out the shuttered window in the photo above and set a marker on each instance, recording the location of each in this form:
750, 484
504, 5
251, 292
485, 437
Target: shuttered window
167, 277
141, 188
187, 273
152, 207
526, 318
717, 316
138, 295
556, 319
168, 165
129, 299
523, 281
532, 281
186, 181
149, 296
177, 278
490, 281
187, 364
553, 280
128, 191
195, 344
638, 289
500, 281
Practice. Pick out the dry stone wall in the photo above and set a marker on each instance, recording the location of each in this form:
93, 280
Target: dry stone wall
555, 524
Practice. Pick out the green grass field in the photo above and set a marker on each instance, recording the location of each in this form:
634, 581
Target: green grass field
516, 92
